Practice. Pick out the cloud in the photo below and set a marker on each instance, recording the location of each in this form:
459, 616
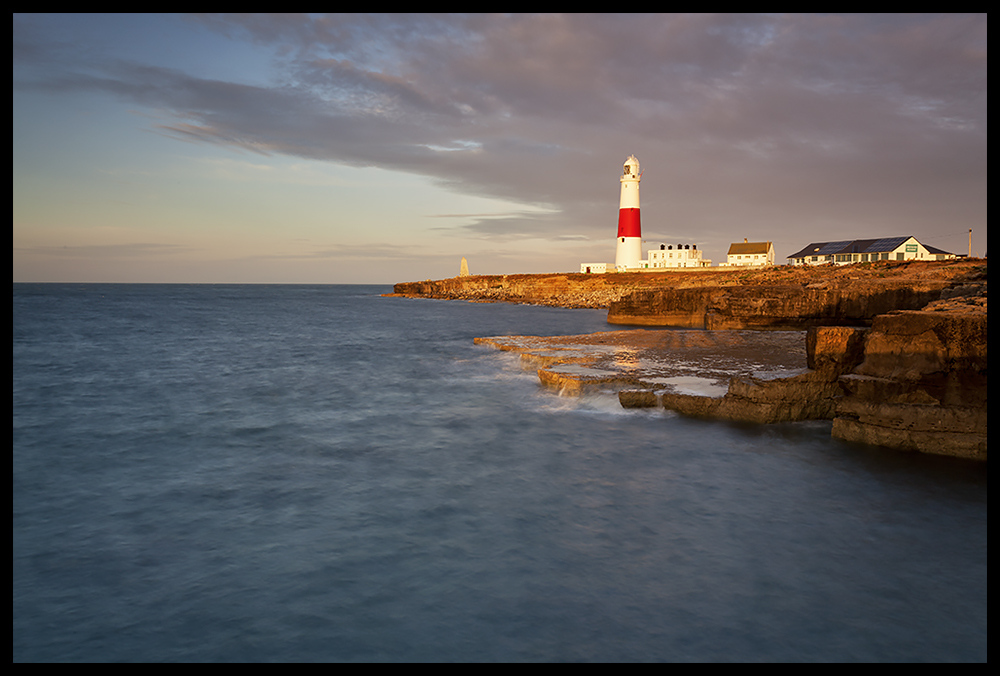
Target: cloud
105, 251
744, 111
371, 250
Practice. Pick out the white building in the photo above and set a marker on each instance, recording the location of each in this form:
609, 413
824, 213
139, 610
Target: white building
685, 256
867, 250
750, 254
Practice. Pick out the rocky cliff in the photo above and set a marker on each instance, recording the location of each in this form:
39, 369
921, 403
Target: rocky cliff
722, 298
810, 395
560, 290
914, 381
921, 385
825, 303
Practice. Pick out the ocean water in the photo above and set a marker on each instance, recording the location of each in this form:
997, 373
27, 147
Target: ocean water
270, 473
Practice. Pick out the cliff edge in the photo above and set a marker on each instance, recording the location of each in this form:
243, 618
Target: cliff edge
782, 297
896, 352
914, 381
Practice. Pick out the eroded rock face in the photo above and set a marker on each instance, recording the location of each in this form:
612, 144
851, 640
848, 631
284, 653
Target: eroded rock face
943, 354
782, 297
638, 399
921, 386
915, 380
940, 430
773, 307
835, 348
682, 308
809, 396
812, 395
560, 290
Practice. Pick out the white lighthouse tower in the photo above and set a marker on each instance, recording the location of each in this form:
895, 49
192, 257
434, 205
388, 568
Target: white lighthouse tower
629, 252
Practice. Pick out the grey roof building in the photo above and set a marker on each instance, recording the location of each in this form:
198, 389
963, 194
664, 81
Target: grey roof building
864, 250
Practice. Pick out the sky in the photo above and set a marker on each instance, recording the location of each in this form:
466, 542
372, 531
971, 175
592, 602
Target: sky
377, 149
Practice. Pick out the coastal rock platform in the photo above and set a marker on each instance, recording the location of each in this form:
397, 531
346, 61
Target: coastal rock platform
779, 297
893, 353
922, 383
662, 361
915, 381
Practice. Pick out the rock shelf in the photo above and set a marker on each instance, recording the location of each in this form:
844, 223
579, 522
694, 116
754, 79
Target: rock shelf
893, 353
784, 297
679, 361
914, 381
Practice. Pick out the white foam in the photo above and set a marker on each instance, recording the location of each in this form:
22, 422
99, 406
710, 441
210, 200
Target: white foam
580, 370
703, 387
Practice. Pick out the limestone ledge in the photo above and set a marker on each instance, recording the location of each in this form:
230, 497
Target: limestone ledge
698, 361
781, 297
922, 384
907, 372
915, 381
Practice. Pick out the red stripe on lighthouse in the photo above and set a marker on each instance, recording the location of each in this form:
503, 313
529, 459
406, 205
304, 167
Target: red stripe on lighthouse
628, 222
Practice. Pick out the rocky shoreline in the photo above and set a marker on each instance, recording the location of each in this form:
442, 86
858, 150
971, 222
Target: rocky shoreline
715, 298
895, 354
915, 381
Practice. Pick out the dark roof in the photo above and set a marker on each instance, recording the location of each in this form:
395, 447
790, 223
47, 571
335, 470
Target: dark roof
820, 249
935, 250
748, 248
853, 246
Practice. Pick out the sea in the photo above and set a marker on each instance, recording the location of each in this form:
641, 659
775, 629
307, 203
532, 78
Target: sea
261, 473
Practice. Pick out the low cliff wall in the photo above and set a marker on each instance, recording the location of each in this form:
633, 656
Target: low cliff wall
921, 386
560, 290
783, 297
915, 381
812, 395
772, 307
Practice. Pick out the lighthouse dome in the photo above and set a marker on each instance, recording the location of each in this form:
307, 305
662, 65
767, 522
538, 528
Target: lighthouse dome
631, 167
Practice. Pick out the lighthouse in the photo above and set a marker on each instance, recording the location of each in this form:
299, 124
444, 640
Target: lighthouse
629, 241
629, 252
